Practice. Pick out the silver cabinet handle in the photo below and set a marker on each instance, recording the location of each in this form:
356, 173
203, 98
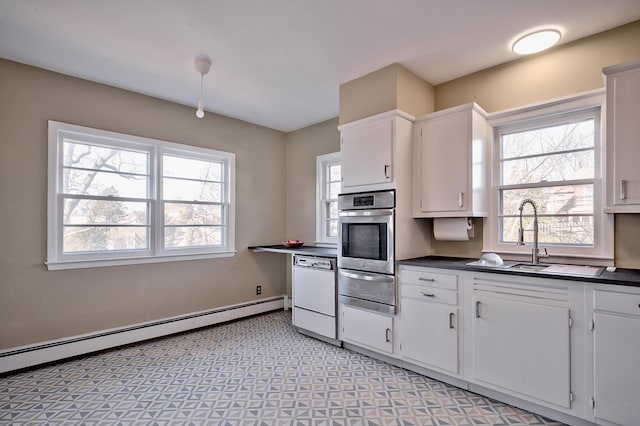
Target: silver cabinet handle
427, 294
387, 335
386, 171
451, 318
478, 309
426, 279
623, 189
460, 199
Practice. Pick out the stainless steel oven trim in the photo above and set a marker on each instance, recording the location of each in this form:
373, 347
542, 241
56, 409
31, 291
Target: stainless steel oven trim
366, 305
367, 290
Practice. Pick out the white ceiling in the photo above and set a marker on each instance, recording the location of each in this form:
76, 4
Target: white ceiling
279, 63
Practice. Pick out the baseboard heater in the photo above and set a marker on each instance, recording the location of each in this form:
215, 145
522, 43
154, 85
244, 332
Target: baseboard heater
54, 350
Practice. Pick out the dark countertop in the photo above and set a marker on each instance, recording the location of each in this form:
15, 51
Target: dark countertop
621, 276
306, 250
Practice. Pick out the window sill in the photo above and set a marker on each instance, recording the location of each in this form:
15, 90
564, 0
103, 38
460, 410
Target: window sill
94, 263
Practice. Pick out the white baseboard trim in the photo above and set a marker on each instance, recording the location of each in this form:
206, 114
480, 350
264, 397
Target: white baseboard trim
54, 350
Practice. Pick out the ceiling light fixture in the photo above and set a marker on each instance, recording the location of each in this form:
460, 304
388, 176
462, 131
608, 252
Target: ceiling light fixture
203, 65
536, 41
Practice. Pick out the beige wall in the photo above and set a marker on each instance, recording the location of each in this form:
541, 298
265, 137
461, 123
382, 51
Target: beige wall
565, 70
38, 305
392, 87
303, 146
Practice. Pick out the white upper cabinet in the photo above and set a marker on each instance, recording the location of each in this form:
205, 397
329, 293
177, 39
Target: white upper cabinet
623, 137
450, 162
368, 150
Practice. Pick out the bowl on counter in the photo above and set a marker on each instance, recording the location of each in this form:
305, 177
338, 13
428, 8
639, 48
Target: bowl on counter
292, 243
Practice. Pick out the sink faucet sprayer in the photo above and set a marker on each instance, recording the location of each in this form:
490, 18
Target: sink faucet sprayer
535, 252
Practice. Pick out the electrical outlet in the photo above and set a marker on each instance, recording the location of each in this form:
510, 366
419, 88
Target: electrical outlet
258, 289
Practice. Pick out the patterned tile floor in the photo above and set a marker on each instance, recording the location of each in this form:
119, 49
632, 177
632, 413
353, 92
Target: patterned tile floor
256, 371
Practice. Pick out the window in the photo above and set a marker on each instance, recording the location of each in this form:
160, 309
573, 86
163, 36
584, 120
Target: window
329, 181
118, 199
550, 154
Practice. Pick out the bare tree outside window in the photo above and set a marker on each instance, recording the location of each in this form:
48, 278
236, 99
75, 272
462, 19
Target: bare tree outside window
100, 185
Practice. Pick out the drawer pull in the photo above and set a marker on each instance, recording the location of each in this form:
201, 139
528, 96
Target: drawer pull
478, 309
387, 335
427, 294
426, 279
451, 317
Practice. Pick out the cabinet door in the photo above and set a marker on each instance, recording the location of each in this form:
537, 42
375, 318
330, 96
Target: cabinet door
444, 164
367, 328
616, 372
623, 130
366, 154
523, 347
429, 334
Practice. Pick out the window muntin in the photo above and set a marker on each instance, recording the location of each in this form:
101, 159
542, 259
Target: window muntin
329, 178
119, 199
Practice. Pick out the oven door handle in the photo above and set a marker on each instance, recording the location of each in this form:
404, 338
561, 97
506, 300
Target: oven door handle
365, 213
366, 277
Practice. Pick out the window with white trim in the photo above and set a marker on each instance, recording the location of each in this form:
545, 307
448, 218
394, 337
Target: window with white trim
118, 199
551, 154
329, 181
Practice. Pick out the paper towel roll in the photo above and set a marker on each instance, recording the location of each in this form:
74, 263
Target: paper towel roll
452, 228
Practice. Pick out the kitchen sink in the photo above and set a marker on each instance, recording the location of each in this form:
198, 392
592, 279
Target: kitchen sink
528, 266
546, 268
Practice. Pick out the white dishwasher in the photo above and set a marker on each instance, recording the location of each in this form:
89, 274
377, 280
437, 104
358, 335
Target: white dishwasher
314, 297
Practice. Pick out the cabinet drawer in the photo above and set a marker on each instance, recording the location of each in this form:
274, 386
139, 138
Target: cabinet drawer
427, 293
432, 279
625, 303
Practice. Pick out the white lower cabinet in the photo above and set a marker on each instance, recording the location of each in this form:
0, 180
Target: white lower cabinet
428, 320
539, 343
367, 329
616, 344
522, 347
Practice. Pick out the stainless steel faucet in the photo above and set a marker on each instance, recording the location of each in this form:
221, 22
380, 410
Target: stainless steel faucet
535, 251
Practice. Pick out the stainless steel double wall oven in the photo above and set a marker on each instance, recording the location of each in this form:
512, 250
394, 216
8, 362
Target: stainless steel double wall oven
366, 261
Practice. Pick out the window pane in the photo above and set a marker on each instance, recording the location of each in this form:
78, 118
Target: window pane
558, 167
550, 139
94, 157
188, 190
557, 200
331, 209
104, 238
192, 169
192, 236
88, 182
105, 212
335, 173
192, 214
334, 190
558, 230
332, 228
